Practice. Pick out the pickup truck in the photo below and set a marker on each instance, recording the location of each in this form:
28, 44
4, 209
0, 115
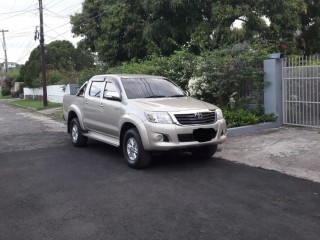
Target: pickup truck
142, 114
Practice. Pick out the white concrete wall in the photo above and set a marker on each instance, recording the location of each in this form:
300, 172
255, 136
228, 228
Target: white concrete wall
32, 92
54, 92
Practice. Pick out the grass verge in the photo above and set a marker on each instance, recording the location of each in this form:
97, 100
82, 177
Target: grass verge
4, 97
34, 104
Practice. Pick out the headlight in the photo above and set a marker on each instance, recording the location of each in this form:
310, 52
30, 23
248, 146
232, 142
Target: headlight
219, 114
158, 117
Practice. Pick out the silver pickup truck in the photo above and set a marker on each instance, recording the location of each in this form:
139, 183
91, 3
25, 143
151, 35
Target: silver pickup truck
142, 114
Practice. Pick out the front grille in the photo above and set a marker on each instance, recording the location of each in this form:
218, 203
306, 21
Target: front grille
194, 118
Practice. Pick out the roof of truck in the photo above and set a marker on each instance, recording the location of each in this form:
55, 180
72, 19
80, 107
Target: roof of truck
130, 75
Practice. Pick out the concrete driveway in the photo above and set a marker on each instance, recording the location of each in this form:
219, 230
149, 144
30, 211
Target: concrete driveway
291, 150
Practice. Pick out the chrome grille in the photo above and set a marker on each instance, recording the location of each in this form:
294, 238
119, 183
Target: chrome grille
196, 118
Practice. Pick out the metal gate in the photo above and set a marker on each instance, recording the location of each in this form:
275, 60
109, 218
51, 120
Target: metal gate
301, 91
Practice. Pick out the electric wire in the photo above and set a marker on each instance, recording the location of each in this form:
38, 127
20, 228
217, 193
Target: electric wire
33, 11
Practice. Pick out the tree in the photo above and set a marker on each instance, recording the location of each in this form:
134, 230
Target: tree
309, 39
283, 16
123, 30
62, 59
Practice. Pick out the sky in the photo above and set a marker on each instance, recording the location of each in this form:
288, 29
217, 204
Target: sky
20, 18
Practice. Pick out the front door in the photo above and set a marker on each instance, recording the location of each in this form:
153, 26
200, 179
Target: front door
91, 107
110, 110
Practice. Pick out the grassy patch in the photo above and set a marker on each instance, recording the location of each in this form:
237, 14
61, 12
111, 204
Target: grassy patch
34, 104
4, 97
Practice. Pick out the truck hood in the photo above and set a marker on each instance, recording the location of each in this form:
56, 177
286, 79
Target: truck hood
171, 104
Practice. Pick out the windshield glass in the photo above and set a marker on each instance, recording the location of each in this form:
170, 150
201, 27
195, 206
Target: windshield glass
150, 88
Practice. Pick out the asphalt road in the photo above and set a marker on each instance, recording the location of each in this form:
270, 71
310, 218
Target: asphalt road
51, 190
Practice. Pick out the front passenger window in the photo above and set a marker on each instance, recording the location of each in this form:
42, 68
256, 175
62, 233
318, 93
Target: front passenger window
95, 90
110, 89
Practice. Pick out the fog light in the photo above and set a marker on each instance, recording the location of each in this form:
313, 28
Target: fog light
224, 132
159, 138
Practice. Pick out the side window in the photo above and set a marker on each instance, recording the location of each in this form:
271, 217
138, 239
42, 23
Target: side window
95, 90
82, 90
111, 89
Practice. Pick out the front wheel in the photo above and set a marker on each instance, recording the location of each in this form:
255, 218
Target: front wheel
204, 152
77, 138
133, 151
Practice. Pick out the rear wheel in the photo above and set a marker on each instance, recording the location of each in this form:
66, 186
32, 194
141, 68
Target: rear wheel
77, 138
133, 151
204, 152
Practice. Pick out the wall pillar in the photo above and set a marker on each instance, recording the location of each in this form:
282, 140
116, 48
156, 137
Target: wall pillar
273, 102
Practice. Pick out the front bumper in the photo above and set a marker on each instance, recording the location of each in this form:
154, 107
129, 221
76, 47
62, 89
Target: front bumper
181, 137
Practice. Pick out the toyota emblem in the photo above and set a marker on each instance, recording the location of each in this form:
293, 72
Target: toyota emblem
198, 115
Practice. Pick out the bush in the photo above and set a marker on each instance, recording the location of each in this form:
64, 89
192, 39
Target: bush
178, 67
5, 91
243, 117
219, 74
86, 74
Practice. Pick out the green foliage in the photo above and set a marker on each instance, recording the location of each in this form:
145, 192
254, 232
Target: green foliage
62, 60
15, 75
219, 74
86, 74
120, 31
4, 97
5, 91
57, 77
30, 72
178, 67
214, 76
243, 117
133, 67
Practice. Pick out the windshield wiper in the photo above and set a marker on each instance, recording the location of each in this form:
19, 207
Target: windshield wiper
178, 95
156, 96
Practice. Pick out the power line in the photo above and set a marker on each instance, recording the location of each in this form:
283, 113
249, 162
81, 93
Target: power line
80, 24
25, 52
19, 11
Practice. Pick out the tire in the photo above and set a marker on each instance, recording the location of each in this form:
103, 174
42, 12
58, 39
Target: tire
204, 152
133, 151
77, 138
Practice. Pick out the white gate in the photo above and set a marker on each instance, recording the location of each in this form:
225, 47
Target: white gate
301, 91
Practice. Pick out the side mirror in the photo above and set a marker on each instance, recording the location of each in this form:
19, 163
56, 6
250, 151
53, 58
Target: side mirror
114, 96
187, 93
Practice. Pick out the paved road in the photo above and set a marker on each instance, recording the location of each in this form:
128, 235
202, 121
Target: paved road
51, 190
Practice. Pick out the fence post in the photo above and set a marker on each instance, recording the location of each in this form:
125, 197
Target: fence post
273, 90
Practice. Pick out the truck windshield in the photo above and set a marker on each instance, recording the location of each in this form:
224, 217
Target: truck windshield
150, 88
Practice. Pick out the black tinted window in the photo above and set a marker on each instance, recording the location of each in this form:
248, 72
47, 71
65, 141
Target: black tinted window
150, 87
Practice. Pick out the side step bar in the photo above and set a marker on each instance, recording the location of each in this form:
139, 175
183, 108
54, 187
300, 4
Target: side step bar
103, 138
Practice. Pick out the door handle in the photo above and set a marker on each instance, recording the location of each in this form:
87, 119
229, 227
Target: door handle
85, 102
101, 105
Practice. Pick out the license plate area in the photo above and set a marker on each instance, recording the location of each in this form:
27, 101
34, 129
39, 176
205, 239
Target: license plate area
204, 134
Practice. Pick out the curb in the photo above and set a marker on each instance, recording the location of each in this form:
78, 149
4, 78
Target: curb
237, 131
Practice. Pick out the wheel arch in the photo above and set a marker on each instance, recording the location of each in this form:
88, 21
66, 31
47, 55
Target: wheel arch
141, 130
71, 115
124, 128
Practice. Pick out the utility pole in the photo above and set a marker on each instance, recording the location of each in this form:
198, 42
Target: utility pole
43, 57
5, 49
